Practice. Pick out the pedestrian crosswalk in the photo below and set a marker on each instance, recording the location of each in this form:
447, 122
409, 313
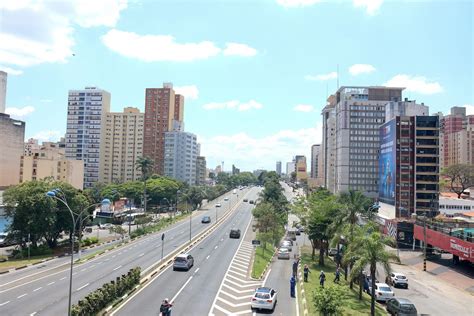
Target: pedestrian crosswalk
236, 290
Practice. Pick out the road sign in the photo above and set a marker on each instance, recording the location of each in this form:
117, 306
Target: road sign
163, 236
256, 242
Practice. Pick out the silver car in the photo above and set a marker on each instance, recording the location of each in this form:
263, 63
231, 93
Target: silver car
183, 261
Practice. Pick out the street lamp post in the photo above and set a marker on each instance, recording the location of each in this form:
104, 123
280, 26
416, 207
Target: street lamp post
177, 200
58, 195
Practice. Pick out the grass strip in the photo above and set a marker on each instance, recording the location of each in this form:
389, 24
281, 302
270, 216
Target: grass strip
261, 259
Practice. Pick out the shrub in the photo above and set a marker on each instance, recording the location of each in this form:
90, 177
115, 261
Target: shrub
328, 300
40, 250
99, 299
89, 241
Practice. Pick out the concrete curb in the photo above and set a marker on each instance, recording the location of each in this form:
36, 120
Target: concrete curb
302, 291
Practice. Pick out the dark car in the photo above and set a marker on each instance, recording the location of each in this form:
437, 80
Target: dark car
234, 233
251, 201
401, 307
206, 219
246, 200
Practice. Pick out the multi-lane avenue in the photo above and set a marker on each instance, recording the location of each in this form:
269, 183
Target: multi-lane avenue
43, 290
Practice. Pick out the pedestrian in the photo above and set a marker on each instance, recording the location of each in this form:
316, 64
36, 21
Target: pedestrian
306, 272
322, 278
295, 268
292, 286
165, 308
338, 274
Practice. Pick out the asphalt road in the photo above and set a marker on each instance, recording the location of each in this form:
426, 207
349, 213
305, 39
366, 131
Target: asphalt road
193, 291
44, 290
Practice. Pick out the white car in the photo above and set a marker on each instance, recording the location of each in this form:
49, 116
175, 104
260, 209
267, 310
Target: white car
218, 205
264, 298
283, 253
397, 279
383, 292
286, 244
226, 199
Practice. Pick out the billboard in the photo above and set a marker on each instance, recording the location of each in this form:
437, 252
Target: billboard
387, 162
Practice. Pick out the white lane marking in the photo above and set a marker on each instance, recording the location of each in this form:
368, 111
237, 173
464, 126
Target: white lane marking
118, 268
83, 269
196, 270
208, 257
50, 283
33, 314
74, 273
99, 263
22, 295
4, 303
113, 256
82, 287
37, 289
141, 255
216, 247
62, 278
182, 288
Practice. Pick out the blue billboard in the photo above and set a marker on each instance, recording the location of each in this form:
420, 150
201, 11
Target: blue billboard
387, 162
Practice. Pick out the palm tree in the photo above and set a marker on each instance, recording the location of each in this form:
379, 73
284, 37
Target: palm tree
368, 249
145, 166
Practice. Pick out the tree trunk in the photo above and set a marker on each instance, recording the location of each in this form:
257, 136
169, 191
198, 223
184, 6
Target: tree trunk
361, 285
321, 254
372, 300
351, 281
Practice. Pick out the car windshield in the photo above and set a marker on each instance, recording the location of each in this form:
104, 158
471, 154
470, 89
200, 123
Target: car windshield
180, 259
408, 308
262, 295
283, 250
401, 277
385, 289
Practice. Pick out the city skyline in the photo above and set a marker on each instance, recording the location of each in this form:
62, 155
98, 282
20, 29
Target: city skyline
237, 100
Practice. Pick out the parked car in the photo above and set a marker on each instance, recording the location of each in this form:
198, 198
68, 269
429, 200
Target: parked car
397, 279
106, 226
246, 200
251, 202
283, 253
218, 205
383, 292
264, 298
301, 229
288, 239
234, 233
297, 232
332, 252
206, 219
183, 261
286, 244
5, 241
226, 199
401, 307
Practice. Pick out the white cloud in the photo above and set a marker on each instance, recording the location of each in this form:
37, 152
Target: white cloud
417, 84
20, 112
189, 92
358, 69
323, 77
157, 47
46, 100
11, 71
371, 6
284, 144
297, 3
48, 136
303, 108
236, 49
234, 104
48, 35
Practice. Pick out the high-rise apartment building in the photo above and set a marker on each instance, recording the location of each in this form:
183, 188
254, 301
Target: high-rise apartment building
315, 154
290, 168
457, 138
328, 147
409, 166
278, 168
11, 149
121, 146
162, 107
3, 91
86, 112
358, 113
301, 168
181, 152
31, 147
49, 161
201, 170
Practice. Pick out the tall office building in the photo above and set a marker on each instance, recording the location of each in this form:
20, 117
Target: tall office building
358, 113
290, 168
181, 152
3, 91
278, 168
162, 107
11, 149
201, 170
328, 146
121, 146
409, 166
457, 138
301, 168
85, 118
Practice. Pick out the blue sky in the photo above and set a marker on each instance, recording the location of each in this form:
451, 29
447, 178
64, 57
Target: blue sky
255, 73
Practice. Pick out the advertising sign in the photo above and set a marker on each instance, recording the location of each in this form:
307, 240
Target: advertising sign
387, 162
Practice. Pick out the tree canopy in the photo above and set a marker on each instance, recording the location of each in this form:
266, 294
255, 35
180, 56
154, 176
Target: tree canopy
460, 177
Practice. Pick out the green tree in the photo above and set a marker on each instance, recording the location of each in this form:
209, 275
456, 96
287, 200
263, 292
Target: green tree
118, 229
328, 300
368, 248
268, 221
460, 177
145, 166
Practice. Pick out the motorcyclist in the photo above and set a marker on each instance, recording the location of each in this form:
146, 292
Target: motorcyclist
165, 308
